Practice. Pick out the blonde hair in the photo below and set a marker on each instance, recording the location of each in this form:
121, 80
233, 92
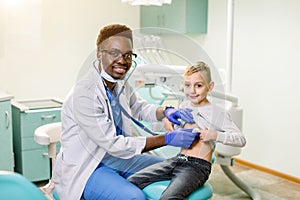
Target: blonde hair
201, 67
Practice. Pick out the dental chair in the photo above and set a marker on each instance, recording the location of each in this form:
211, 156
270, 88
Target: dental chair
15, 186
153, 75
224, 156
155, 94
155, 190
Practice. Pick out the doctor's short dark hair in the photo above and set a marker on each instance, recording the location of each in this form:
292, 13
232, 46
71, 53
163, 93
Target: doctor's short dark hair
113, 30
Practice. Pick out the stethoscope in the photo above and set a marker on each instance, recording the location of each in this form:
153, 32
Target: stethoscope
116, 98
213, 125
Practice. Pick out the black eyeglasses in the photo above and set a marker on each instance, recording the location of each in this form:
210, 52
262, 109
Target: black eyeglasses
117, 54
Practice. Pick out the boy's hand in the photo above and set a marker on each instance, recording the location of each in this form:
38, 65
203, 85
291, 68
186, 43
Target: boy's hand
208, 135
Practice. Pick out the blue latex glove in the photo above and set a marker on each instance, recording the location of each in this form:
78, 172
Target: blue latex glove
181, 137
174, 114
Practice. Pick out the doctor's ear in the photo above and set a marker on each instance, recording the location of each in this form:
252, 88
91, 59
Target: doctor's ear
99, 55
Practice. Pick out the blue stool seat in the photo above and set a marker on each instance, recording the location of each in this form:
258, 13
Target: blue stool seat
154, 191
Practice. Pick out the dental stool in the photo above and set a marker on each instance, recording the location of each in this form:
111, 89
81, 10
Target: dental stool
49, 134
15, 186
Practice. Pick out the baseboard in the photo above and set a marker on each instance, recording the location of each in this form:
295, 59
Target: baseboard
267, 170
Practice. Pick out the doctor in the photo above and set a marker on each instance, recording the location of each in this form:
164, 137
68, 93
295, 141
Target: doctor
98, 151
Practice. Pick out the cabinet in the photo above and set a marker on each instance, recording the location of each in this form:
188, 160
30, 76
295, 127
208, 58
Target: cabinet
183, 16
31, 159
6, 143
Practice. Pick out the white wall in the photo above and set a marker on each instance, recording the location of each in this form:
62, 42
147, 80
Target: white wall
44, 42
266, 70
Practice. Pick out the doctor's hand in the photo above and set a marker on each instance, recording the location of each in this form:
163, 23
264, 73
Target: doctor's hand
181, 137
183, 113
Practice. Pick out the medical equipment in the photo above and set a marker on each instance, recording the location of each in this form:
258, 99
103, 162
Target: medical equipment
215, 126
142, 126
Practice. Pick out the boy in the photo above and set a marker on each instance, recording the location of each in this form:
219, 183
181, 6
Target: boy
191, 168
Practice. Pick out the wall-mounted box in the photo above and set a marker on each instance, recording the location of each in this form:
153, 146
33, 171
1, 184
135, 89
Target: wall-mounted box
183, 16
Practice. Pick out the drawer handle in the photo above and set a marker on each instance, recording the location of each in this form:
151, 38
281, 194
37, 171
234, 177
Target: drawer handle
45, 154
7, 119
48, 116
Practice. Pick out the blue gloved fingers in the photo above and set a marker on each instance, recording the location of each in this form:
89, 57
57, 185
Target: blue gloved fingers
180, 137
174, 114
186, 115
191, 139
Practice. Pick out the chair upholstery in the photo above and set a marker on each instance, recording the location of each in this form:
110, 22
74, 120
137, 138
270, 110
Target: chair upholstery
155, 190
15, 186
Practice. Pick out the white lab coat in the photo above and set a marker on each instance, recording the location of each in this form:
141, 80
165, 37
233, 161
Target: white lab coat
89, 132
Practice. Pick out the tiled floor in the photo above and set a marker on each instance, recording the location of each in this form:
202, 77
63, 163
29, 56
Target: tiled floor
267, 187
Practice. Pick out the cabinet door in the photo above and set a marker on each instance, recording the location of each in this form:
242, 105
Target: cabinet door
174, 17
183, 16
36, 164
150, 16
6, 149
32, 120
196, 16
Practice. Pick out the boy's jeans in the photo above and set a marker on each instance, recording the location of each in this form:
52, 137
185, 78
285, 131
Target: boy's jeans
186, 175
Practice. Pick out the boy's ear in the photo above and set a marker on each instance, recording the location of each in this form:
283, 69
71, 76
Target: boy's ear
211, 86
